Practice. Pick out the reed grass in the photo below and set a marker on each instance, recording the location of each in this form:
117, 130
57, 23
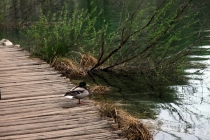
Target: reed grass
131, 128
71, 68
87, 61
100, 89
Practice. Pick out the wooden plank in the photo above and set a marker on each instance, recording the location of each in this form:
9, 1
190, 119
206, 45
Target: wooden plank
59, 133
20, 63
36, 107
33, 89
40, 127
98, 136
63, 103
48, 119
54, 111
19, 79
29, 74
13, 49
26, 71
43, 66
31, 82
48, 97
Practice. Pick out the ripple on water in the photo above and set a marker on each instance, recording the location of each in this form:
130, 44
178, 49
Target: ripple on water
189, 117
186, 125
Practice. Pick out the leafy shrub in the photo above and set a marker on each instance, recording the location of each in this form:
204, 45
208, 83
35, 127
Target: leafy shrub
58, 35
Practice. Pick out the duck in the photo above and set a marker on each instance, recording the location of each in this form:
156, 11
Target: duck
78, 92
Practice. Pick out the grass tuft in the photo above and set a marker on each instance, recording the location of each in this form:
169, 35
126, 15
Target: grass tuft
74, 69
87, 61
99, 89
68, 68
131, 128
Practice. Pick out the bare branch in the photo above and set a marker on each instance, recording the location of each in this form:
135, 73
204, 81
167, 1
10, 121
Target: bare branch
102, 47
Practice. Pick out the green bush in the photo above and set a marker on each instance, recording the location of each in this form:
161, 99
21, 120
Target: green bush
60, 36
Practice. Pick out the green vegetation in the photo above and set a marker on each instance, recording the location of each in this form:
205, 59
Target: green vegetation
149, 44
59, 36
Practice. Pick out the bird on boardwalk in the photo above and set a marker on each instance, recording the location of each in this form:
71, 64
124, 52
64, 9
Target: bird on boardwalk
78, 92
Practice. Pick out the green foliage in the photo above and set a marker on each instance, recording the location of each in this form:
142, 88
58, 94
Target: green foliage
151, 39
1, 18
3, 5
148, 40
58, 35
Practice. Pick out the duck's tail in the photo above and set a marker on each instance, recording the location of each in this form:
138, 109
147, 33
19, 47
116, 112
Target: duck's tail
69, 96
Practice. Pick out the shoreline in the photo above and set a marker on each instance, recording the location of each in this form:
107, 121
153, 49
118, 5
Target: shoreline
133, 123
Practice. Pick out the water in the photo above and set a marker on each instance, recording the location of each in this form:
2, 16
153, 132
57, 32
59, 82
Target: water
182, 115
185, 116
189, 118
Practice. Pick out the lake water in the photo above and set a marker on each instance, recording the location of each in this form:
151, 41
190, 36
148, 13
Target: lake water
189, 117
185, 116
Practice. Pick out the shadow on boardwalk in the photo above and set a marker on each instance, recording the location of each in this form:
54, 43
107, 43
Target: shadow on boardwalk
33, 106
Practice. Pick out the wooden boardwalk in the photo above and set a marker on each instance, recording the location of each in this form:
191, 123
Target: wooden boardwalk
33, 106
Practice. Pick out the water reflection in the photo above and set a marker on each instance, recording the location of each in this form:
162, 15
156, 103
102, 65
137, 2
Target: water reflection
189, 117
183, 110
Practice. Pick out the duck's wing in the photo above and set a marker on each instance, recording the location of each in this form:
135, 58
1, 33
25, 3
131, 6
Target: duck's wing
82, 95
72, 93
79, 89
75, 91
